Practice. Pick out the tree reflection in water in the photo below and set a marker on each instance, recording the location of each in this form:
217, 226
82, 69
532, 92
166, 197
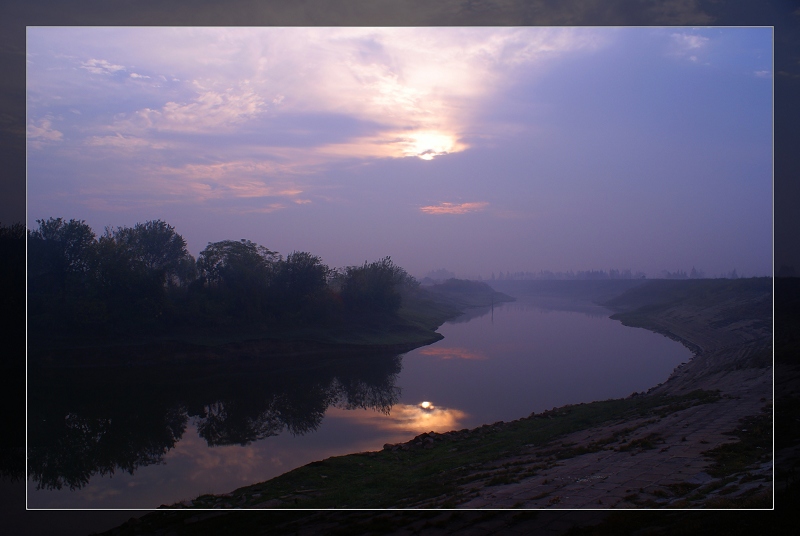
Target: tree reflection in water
87, 422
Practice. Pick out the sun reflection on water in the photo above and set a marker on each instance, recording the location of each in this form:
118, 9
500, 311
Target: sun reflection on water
407, 418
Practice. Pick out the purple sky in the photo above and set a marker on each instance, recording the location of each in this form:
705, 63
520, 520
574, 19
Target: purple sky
471, 149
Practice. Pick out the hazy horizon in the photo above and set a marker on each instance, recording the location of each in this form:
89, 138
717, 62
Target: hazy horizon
475, 150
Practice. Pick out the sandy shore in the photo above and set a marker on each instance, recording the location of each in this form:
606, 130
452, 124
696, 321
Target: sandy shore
733, 358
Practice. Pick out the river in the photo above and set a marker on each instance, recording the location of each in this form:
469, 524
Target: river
109, 440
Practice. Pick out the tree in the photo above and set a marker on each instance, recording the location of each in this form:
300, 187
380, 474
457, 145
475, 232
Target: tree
131, 293
221, 262
60, 254
299, 285
161, 250
373, 287
237, 274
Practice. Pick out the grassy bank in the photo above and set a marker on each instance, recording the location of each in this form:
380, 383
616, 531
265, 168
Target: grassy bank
433, 468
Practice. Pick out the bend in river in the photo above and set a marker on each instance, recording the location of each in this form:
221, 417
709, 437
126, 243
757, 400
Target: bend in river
137, 441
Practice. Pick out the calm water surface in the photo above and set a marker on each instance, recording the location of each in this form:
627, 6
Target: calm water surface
134, 442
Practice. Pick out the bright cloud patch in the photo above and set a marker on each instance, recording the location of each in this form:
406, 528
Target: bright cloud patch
101, 67
208, 120
453, 208
429, 144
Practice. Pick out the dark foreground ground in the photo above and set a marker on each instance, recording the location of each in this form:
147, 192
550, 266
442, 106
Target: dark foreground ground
701, 440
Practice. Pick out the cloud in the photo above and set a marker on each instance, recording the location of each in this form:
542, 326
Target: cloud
226, 187
689, 41
452, 208
137, 75
685, 45
224, 180
763, 74
209, 111
423, 85
101, 66
118, 141
43, 133
423, 144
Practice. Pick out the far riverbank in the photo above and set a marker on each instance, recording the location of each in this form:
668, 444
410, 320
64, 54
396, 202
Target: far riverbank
423, 310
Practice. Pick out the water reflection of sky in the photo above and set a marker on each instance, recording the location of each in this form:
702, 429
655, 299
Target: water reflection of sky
533, 358
499, 366
406, 419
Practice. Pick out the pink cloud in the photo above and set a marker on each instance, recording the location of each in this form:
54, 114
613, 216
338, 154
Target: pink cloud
453, 208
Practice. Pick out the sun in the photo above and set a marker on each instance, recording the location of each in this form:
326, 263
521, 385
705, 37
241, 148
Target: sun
428, 144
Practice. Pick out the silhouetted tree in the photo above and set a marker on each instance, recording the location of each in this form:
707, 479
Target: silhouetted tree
161, 250
61, 259
299, 286
60, 254
130, 293
237, 274
373, 287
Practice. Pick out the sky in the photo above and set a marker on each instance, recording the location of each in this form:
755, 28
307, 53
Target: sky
474, 149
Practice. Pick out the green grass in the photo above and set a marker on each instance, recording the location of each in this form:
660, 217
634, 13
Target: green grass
394, 479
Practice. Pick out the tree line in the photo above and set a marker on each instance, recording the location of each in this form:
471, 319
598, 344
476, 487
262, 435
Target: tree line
143, 279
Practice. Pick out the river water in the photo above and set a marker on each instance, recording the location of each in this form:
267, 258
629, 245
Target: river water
111, 440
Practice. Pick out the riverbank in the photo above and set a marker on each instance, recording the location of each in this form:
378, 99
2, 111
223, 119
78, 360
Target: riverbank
422, 312
700, 439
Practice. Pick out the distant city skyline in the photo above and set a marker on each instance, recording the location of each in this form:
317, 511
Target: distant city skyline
471, 149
